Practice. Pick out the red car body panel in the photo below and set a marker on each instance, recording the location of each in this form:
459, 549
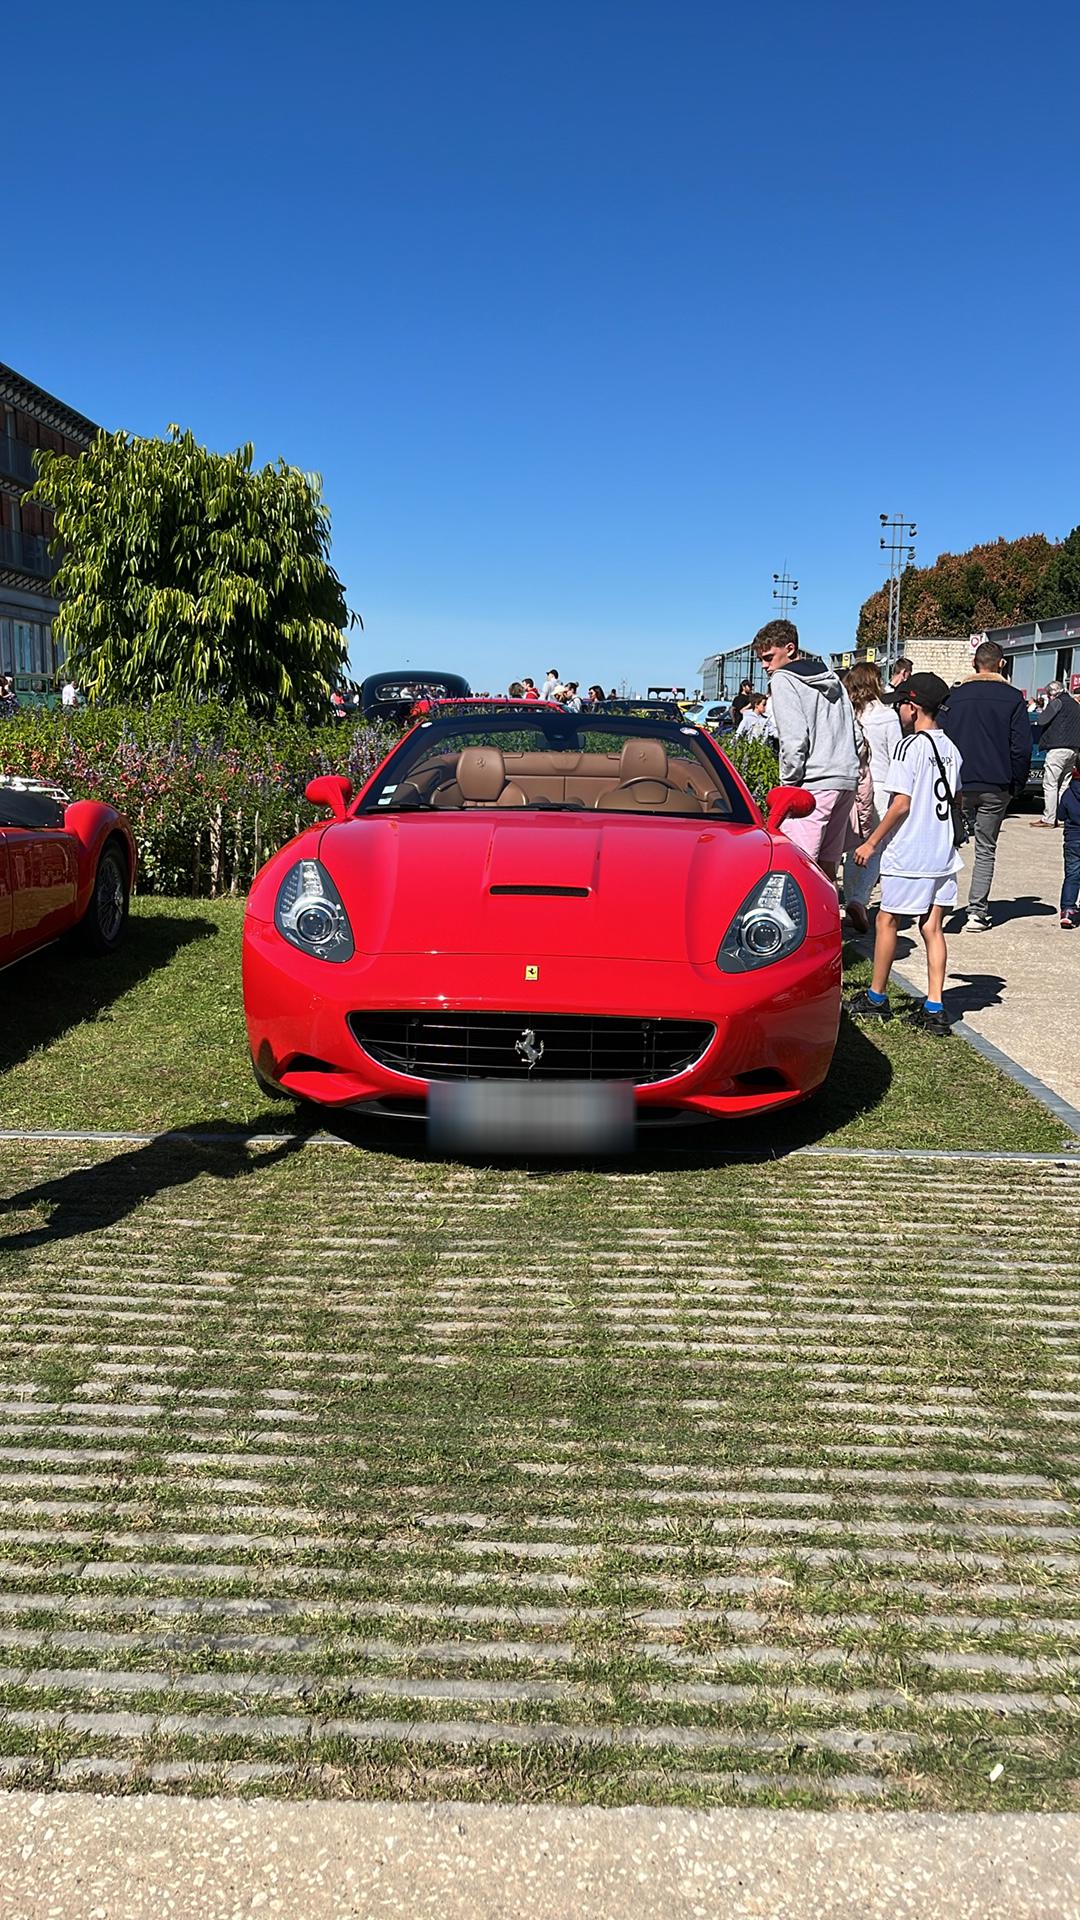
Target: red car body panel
47, 874
654, 896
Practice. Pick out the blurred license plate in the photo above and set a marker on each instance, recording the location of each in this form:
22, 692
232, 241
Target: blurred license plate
547, 1116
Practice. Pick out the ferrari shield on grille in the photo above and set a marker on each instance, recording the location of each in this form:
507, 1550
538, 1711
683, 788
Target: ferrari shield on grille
497, 1116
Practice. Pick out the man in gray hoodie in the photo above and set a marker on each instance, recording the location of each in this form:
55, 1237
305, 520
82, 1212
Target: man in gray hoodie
818, 740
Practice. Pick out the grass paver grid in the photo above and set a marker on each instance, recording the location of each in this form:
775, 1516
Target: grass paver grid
324, 1471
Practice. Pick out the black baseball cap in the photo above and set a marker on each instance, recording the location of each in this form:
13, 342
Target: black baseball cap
928, 691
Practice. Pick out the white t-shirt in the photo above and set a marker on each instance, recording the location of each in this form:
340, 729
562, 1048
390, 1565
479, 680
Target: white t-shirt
922, 845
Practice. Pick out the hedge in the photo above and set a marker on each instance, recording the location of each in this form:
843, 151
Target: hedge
209, 791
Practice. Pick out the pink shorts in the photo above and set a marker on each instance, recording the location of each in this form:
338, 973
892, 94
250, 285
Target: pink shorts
822, 833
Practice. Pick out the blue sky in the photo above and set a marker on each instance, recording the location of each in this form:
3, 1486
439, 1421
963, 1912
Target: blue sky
589, 315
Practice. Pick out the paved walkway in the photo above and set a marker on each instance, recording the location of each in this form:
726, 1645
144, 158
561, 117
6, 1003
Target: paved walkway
90, 1858
1019, 985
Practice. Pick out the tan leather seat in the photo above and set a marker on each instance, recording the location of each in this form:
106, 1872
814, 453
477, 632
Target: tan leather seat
645, 785
479, 781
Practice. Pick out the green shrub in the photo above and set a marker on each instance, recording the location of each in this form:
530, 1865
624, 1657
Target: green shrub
756, 760
209, 791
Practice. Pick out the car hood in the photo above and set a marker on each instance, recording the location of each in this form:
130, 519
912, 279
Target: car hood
644, 889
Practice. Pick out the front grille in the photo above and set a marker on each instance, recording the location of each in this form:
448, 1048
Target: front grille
496, 1046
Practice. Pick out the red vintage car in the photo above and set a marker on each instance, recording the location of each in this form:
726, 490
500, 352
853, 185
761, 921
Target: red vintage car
528, 898
65, 866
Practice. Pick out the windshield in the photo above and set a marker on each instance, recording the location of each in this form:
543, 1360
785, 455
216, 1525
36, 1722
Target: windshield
546, 760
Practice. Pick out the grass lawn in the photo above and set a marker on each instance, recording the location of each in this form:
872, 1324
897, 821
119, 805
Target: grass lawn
154, 1039
336, 1469
328, 1473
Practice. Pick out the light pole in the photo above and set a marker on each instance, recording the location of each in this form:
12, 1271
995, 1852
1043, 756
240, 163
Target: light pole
785, 590
901, 535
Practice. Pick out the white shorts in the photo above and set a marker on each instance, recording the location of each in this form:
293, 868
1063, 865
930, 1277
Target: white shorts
917, 893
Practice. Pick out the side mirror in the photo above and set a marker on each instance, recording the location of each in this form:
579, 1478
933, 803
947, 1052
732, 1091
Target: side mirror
787, 803
330, 790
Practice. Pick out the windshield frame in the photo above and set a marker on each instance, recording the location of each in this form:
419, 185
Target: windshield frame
563, 732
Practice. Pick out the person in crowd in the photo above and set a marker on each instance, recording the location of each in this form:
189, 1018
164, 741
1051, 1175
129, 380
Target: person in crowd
1059, 733
818, 740
742, 699
571, 698
9, 699
986, 719
69, 694
614, 694
881, 725
516, 690
596, 695
1069, 815
528, 688
551, 681
900, 673
752, 722
919, 858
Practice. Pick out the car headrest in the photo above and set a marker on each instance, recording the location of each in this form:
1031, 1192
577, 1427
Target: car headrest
481, 774
643, 760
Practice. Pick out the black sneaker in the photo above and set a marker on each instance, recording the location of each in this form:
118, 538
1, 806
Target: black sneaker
921, 1017
1069, 922
861, 1007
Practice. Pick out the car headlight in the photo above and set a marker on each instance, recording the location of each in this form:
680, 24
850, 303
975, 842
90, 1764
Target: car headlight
309, 914
769, 925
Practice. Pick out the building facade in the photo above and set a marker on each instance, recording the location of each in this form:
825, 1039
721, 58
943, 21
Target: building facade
29, 648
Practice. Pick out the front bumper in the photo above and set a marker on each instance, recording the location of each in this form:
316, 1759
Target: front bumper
775, 1028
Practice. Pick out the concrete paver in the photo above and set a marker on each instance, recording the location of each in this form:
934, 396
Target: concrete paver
91, 1857
1017, 985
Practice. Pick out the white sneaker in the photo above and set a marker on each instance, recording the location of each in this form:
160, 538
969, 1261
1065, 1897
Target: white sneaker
976, 923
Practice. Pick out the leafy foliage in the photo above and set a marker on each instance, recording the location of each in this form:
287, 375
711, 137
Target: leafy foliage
756, 760
188, 572
1001, 584
210, 792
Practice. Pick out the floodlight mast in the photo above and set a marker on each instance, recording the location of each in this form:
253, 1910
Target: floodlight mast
901, 536
785, 591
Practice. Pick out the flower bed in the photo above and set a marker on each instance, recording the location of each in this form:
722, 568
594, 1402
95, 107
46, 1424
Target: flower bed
209, 791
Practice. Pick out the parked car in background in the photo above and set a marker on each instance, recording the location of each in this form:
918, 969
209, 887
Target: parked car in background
1034, 787
714, 715
522, 899
392, 696
66, 866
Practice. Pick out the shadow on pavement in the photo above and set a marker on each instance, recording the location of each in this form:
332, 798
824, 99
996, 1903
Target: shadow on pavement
1026, 906
88, 1199
49, 992
970, 992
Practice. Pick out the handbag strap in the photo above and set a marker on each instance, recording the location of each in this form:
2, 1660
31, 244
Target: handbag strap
941, 770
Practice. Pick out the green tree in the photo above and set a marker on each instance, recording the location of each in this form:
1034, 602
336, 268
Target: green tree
1060, 590
190, 572
995, 585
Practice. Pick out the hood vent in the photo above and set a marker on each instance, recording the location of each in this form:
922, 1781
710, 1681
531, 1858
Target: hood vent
560, 893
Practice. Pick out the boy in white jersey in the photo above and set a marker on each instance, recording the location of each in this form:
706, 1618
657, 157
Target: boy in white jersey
919, 860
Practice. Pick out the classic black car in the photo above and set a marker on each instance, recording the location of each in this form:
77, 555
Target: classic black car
392, 696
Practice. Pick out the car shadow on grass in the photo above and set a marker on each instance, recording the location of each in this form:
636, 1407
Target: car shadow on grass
90, 1199
49, 992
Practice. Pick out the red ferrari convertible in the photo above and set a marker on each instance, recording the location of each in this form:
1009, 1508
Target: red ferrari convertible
65, 865
525, 904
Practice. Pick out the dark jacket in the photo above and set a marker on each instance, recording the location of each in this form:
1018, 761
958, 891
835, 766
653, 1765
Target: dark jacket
1059, 723
988, 720
1069, 810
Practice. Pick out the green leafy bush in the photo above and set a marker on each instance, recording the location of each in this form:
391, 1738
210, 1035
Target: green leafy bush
757, 762
209, 790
